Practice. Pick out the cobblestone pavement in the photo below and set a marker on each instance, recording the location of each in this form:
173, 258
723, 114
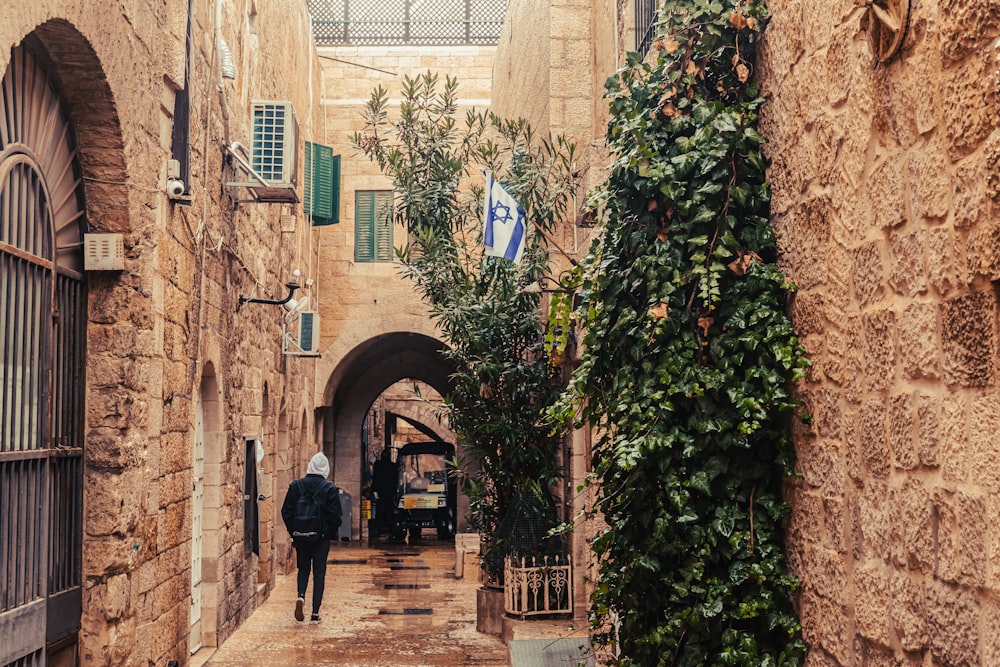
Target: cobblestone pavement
391, 606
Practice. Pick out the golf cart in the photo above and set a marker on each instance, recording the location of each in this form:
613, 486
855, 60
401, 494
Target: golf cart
426, 495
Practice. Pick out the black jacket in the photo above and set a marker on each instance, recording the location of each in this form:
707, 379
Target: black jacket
329, 499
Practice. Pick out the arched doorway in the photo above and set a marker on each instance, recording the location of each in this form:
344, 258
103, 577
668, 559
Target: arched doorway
405, 418
353, 388
42, 361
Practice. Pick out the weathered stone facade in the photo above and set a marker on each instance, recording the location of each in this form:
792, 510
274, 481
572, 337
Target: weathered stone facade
884, 201
166, 345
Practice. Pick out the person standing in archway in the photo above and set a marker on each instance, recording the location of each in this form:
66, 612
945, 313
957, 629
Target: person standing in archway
384, 480
311, 512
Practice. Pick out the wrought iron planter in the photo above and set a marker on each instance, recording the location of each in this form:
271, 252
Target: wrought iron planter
536, 586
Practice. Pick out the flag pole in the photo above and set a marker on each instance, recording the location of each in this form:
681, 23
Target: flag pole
551, 240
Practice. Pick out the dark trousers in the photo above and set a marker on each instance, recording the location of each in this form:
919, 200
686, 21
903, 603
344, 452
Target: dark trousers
383, 513
312, 556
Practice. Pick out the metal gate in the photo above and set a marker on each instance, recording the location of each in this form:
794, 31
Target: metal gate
42, 326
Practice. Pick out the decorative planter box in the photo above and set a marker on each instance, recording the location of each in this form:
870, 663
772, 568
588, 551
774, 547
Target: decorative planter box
535, 586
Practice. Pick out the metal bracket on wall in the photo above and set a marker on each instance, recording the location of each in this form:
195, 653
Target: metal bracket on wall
292, 285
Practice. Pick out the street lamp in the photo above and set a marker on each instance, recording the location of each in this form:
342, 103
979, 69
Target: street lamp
292, 285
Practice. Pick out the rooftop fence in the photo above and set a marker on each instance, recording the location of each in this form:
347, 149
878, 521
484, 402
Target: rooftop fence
411, 22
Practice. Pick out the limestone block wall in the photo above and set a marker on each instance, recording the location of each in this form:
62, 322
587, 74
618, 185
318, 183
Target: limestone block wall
552, 61
350, 75
351, 292
164, 336
885, 202
359, 301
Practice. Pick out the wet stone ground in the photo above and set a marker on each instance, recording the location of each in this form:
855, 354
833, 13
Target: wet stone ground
392, 606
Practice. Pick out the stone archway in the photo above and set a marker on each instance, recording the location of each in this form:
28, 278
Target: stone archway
420, 412
364, 373
60, 134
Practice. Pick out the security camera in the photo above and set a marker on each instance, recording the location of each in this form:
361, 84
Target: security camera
175, 188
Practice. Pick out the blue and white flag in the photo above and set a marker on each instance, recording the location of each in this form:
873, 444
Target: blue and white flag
503, 223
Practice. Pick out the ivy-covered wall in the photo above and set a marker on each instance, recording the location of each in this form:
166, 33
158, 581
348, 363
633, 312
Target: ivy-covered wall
886, 190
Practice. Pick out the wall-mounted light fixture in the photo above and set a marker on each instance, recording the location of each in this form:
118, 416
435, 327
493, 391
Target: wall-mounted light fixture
292, 285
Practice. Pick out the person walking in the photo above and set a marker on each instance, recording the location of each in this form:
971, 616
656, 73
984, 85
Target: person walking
312, 515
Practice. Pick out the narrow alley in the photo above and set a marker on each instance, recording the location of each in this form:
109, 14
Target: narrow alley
394, 605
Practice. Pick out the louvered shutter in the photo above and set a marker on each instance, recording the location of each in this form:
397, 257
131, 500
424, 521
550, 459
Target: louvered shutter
322, 186
373, 226
383, 226
364, 226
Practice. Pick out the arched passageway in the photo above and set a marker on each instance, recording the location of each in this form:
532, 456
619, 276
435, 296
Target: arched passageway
58, 131
357, 382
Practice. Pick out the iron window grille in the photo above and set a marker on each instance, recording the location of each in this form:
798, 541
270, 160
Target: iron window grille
646, 13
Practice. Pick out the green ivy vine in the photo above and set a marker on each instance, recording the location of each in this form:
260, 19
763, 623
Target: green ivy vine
687, 359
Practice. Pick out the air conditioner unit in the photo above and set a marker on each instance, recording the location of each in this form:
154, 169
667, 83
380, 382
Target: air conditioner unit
274, 157
303, 340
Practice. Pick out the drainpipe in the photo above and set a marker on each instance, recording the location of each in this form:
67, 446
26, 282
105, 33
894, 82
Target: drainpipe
217, 56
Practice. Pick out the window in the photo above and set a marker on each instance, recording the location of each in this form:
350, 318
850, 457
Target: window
373, 226
645, 24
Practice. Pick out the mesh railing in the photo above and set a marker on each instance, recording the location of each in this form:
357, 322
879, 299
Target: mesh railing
417, 22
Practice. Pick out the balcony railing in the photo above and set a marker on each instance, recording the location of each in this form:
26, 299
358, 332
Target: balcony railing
538, 586
411, 22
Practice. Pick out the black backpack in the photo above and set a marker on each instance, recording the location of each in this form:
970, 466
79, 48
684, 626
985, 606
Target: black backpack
307, 522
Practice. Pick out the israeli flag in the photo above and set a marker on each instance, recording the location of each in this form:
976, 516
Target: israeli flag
503, 223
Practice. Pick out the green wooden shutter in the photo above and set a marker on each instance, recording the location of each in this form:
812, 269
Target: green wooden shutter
383, 226
322, 186
364, 225
335, 190
373, 226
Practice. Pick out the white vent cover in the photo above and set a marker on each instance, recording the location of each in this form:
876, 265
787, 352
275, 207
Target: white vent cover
104, 252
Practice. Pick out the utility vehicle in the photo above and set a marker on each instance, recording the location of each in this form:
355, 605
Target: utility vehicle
426, 495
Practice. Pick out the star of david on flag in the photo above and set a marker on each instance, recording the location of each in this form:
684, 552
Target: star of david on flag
503, 223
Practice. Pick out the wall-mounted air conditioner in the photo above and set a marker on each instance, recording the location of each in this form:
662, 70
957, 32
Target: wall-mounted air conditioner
272, 160
303, 339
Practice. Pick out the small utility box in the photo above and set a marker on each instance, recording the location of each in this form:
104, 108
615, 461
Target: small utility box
104, 252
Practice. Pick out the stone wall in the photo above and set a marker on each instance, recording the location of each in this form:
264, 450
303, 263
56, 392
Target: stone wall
169, 321
552, 62
885, 204
885, 199
350, 293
